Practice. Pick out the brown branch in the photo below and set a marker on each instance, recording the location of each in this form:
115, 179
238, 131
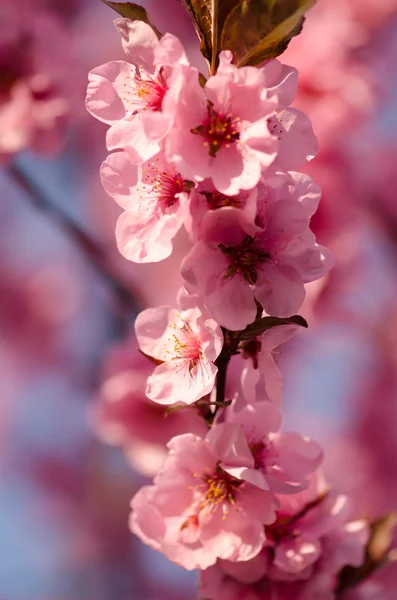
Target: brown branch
127, 297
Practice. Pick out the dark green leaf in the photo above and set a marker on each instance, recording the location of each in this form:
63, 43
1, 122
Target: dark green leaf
261, 325
208, 17
132, 11
257, 30
376, 555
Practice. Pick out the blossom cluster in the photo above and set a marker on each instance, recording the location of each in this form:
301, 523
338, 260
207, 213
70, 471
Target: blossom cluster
241, 500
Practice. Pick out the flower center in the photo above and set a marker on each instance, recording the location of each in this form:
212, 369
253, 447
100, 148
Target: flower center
186, 345
164, 187
220, 488
244, 259
217, 200
264, 454
218, 130
150, 92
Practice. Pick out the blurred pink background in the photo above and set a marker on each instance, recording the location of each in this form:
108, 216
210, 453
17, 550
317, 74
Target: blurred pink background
77, 436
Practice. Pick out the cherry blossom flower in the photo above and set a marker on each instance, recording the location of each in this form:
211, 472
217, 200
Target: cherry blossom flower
195, 512
279, 462
137, 100
237, 263
154, 197
186, 343
305, 548
221, 132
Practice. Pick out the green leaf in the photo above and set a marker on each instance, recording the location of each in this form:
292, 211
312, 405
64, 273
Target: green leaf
208, 17
132, 11
259, 326
376, 555
258, 30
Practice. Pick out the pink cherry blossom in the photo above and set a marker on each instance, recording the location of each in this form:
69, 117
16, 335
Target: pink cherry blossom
137, 100
221, 132
154, 197
186, 343
196, 512
237, 263
308, 544
279, 462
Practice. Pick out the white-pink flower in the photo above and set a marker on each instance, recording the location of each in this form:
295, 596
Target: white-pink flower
196, 512
154, 197
221, 132
137, 100
311, 540
279, 462
237, 262
186, 343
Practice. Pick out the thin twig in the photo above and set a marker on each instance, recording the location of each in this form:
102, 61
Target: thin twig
93, 251
214, 31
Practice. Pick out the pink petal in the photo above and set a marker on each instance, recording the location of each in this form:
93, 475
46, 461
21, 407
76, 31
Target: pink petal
188, 153
230, 444
271, 375
281, 80
225, 170
143, 237
298, 456
156, 124
296, 555
192, 453
145, 520
130, 135
176, 382
103, 100
118, 176
280, 291
139, 41
306, 191
259, 504
153, 327
235, 538
259, 419
298, 144
169, 51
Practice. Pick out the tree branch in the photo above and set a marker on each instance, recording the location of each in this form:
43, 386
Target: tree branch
93, 252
